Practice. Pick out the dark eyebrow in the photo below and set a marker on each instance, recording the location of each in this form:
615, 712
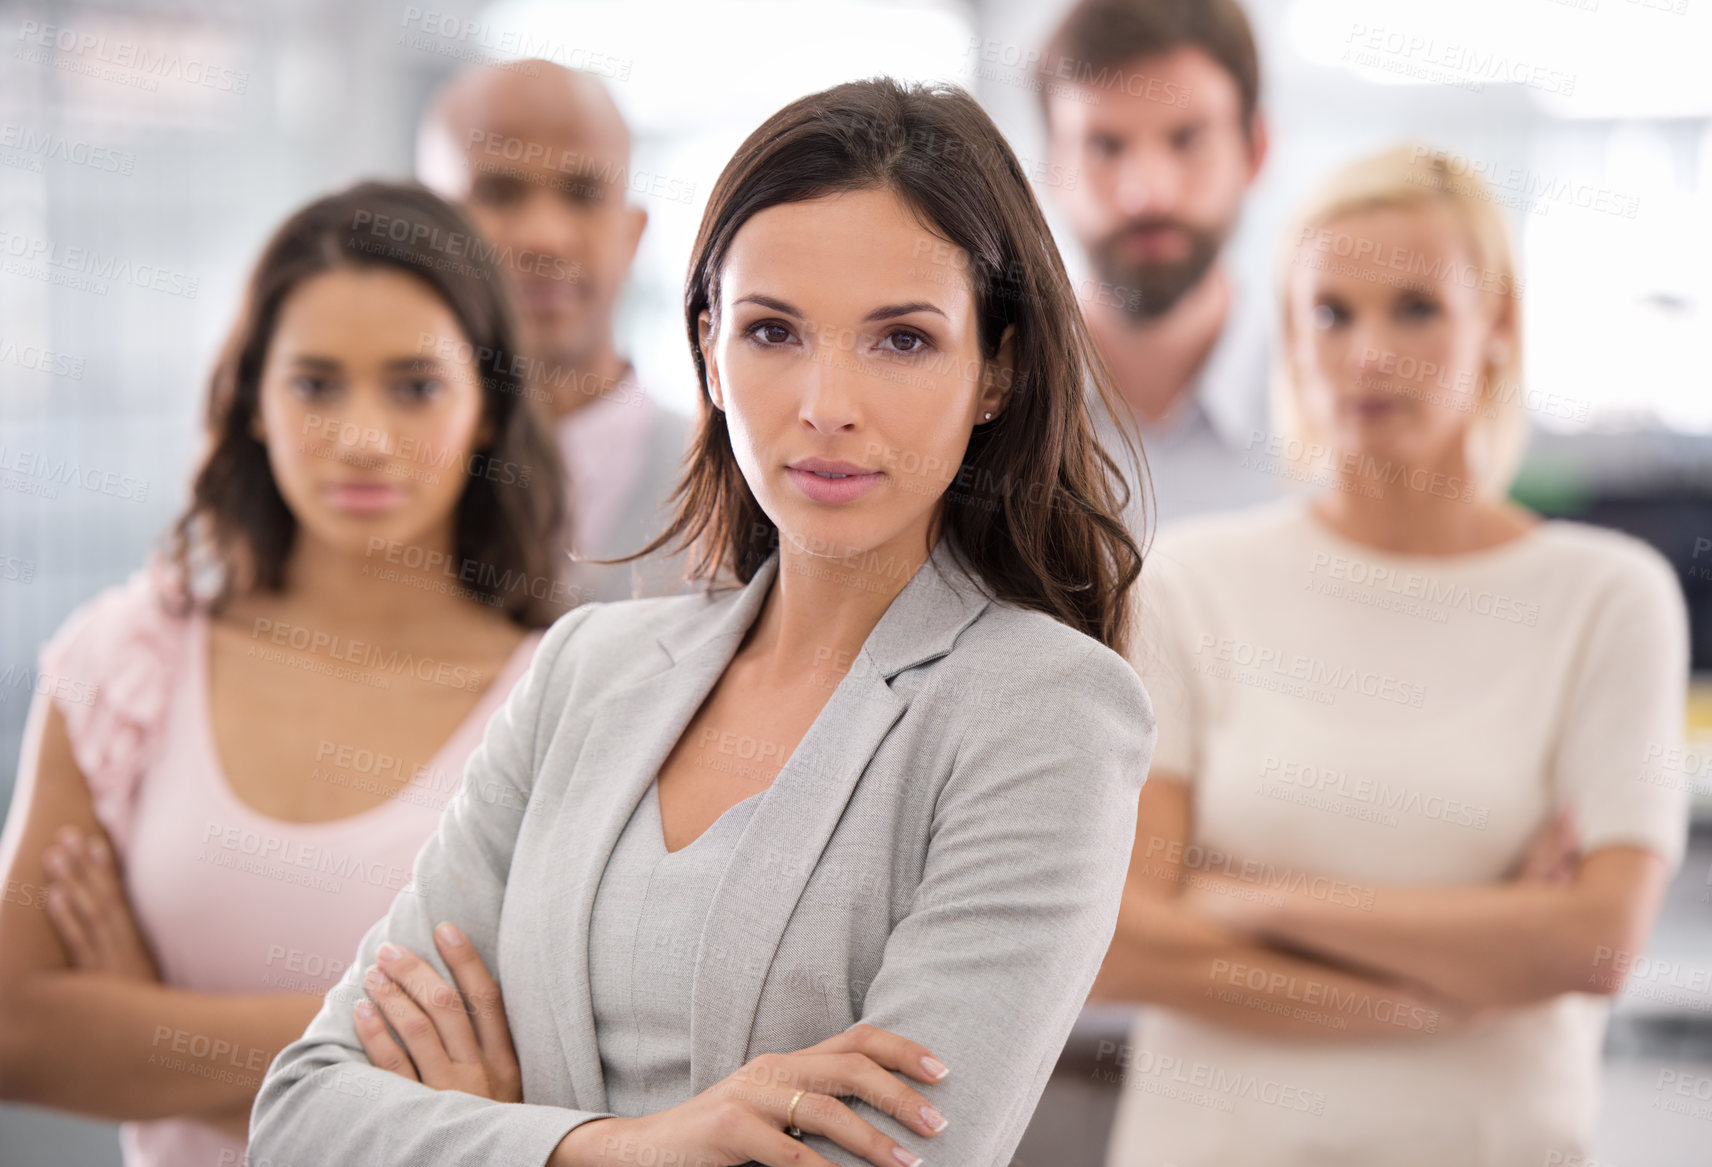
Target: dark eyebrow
769, 302
891, 310
885, 313
399, 364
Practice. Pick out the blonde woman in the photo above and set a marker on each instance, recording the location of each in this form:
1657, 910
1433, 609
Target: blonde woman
1393, 854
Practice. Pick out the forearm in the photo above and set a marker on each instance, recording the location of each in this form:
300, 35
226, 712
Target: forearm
1484, 945
1167, 953
119, 1049
325, 1103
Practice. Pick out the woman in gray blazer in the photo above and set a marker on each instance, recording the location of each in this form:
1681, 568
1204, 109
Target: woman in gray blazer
744, 860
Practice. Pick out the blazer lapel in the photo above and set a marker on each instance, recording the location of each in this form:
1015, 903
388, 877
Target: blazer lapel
630, 734
793, 821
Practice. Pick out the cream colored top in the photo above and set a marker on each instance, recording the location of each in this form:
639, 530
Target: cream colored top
1385, 719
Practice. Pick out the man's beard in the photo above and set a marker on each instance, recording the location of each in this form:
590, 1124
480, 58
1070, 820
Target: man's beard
1147, 289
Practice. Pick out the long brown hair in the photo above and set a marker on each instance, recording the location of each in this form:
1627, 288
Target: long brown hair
238, 524
1035, 505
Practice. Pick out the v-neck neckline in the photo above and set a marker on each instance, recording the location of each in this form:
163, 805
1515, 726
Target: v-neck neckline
662, 852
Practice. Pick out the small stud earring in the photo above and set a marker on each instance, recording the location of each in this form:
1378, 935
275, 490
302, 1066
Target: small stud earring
989, 417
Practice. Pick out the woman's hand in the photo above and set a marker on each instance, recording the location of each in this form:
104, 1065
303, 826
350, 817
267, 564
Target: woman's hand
441, 1049
1553, 854
743, 1118
89, 909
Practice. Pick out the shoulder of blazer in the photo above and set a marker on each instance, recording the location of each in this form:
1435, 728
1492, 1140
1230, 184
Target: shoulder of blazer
620, 633
1026, 650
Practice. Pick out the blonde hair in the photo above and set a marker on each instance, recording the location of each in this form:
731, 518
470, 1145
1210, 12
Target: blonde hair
1406, 177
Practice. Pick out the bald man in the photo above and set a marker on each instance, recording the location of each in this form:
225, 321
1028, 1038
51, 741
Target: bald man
538, 157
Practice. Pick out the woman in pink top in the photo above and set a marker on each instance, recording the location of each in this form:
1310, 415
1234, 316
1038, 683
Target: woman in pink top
235, 756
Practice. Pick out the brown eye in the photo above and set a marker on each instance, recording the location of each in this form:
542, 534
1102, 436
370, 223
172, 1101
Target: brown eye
419, 389
494, 192
905, 341
1417, 308
770, 332
1186, 138
309, 386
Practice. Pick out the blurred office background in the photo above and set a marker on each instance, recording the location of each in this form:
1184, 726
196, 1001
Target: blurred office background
122, 251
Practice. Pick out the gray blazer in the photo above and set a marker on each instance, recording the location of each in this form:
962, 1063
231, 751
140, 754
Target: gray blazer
942, 856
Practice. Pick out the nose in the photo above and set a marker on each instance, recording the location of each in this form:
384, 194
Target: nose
545, 225
1367, 345
1364, 350
831, 386
365, 436
1149, 183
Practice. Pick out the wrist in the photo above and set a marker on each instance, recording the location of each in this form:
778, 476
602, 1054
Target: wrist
582, 1145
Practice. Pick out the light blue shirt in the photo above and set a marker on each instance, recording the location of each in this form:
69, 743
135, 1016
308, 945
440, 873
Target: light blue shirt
1209, 453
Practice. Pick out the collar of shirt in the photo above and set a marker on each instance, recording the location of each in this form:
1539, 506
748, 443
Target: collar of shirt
604, 444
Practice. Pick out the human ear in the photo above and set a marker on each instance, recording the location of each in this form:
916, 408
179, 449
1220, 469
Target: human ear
1259, 143
704, 342
635, 222
997, 377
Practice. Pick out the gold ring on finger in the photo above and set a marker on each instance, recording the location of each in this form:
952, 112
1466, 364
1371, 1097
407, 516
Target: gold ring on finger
791, 1115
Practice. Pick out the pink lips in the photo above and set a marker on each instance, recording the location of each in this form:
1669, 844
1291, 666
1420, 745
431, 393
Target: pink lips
827, 481
1374, 408
365, 498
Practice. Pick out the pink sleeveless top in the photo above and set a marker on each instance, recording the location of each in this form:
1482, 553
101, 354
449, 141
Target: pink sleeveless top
229, 899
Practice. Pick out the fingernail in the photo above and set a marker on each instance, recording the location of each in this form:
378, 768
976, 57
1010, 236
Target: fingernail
376, 979
450, 935
935, 1068
934, 1120
907, 1157
365, 1009
387, 951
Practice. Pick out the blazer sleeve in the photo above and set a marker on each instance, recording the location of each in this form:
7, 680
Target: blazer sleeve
1031, 839
322, 1101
